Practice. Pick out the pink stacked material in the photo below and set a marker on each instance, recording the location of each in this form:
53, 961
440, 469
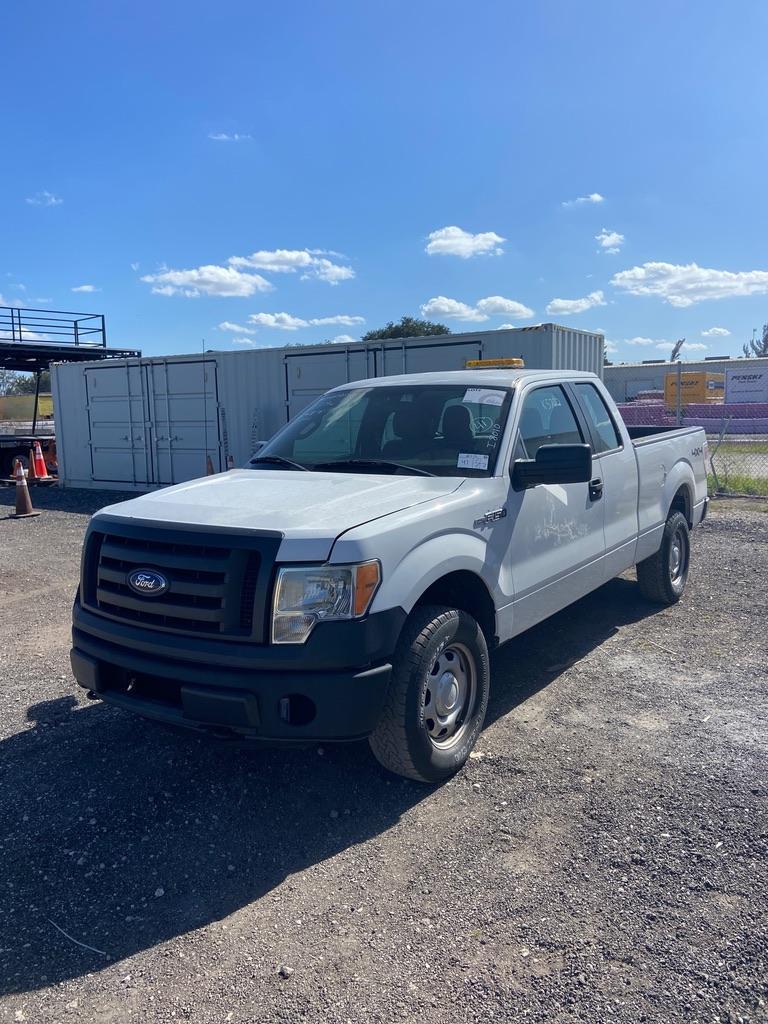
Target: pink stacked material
646, 414
754, 425
738, 410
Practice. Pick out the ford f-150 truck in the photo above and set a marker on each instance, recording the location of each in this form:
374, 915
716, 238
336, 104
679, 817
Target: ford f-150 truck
351, 580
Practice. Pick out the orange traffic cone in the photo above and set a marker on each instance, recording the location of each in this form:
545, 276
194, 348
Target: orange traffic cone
41, 470
209, 470
24, 508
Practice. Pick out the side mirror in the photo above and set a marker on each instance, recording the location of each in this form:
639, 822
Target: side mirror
554, 464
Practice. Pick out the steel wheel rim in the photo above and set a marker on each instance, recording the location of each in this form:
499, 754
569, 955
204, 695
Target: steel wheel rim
449, 696
678, 560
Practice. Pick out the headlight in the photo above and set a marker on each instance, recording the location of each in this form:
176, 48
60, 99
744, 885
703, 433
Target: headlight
326, 593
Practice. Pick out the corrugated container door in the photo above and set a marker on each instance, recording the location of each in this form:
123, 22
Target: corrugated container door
183, 407
310, 374
117, 423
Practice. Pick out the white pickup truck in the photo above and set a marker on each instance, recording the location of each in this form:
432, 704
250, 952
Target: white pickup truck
351, 580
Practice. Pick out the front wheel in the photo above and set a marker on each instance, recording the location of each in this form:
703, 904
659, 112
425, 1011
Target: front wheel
437, 698
663, 576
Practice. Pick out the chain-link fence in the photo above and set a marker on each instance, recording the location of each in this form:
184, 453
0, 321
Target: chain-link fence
737, 433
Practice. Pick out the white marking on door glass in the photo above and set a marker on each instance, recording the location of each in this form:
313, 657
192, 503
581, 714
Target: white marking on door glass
483, 396
468, 460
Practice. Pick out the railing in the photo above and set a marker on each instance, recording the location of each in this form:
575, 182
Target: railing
53, 327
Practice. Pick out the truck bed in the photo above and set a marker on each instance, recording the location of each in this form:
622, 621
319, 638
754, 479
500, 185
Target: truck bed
661, 454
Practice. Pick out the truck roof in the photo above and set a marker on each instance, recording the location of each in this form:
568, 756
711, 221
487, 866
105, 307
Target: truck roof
499, 377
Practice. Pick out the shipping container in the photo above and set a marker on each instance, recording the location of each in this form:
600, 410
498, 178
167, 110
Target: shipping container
695, 386
144, 423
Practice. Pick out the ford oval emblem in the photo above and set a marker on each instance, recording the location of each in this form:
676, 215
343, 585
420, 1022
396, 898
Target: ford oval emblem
148, 582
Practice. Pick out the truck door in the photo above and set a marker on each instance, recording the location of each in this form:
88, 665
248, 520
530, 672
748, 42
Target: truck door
556, 541
615, 479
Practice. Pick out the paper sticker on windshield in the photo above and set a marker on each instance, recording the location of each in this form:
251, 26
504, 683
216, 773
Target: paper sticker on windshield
468, 460
484, 396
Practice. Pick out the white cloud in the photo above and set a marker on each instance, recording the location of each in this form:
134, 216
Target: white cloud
227, 325
86, 288
507, 307
288, 322
593, 197
687, 346
342, 320
492, 305
227, 137
224, 282
569, 307
279, 321
331, 273
442, 306
648, 341
611, 347
454, 241
242, 340
44, 198
683, 285
277, 261
716, 332
288, 261
343, 339
610, 241
135, 267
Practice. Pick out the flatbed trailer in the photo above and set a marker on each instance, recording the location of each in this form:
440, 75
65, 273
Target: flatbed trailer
32, 339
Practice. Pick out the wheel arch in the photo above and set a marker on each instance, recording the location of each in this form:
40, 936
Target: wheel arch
437, 572
683, 502
466, 591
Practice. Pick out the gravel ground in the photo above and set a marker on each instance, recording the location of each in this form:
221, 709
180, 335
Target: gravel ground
601, 858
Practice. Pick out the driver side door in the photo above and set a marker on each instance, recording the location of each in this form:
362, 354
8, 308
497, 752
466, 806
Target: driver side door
557, 543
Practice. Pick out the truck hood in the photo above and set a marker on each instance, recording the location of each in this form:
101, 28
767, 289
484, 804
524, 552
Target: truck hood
310, 509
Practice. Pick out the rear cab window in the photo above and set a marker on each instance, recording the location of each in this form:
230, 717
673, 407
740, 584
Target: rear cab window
605, 434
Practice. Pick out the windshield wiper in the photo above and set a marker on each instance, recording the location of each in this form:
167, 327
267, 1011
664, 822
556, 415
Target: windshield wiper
278, 460
371, 464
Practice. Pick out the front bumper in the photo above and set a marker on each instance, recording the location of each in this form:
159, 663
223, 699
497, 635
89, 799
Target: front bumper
331, 688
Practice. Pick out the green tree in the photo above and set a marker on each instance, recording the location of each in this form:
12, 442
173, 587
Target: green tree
758, 346
408, 327
23, 383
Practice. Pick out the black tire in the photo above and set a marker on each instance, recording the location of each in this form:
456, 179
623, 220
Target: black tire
663, 576
441, 664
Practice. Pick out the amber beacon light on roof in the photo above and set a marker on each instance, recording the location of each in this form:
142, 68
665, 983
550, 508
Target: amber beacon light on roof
493, 364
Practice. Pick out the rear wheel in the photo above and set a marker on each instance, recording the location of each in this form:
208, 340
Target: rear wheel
437, 698
663, 576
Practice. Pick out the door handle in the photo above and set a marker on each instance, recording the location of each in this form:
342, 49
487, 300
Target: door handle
595, 489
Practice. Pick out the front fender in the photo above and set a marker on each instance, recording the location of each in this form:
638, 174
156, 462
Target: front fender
405, 581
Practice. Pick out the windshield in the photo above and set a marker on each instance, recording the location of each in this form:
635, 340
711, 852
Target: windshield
441, 430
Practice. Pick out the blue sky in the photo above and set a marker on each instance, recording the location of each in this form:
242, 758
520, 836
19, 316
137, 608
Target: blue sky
601, 165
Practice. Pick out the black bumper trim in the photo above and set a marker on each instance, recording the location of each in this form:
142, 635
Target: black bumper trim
250, 696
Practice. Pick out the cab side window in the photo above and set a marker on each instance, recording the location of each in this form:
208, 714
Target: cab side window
606, 435
547, 418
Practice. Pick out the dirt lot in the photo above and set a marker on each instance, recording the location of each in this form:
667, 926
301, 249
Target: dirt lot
603, 858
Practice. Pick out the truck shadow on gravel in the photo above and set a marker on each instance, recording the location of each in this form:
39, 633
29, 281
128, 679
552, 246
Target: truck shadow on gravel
125, 835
